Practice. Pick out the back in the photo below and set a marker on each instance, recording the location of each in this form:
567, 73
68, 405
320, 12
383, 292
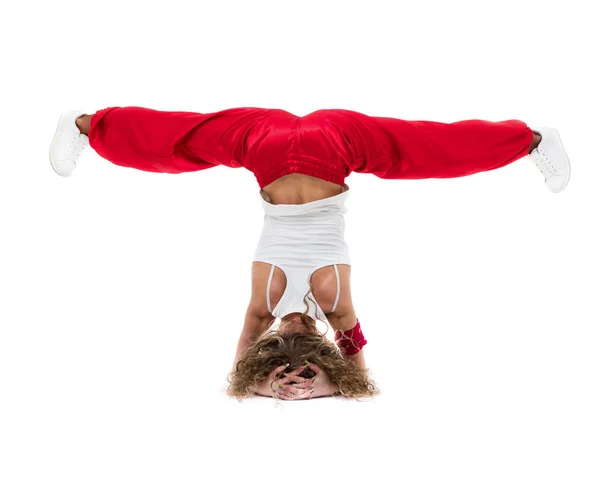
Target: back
300, 239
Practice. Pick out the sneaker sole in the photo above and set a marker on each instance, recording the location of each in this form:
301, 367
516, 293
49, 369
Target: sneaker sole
568, 164
52, 145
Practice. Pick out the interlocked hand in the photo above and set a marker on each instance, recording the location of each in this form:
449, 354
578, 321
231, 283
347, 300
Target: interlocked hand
292, 386
320, 383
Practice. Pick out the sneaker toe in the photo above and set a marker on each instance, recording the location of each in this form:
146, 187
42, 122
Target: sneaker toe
64, 167
557, 183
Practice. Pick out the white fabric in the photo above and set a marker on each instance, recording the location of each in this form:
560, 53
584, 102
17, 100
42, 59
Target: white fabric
301, 239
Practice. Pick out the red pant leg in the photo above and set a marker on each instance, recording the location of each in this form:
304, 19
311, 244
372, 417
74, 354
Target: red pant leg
400, 149
177, 141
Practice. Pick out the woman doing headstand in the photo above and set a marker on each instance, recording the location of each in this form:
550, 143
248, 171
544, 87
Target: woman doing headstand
301, 265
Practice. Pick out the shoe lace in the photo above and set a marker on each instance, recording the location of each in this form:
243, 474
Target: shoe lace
77, 145
544, 164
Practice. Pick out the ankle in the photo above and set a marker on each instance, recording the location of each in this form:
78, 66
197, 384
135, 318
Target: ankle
536, 141
83, 123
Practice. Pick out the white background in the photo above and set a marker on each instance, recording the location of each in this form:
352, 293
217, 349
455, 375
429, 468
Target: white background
123, 292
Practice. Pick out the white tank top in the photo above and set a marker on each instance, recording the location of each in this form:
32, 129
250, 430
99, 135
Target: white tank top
300, 239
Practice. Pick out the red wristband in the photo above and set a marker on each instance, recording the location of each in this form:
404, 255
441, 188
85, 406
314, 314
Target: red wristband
351, 341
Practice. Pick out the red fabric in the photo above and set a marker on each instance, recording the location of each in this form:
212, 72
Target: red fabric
327, 144
351, 341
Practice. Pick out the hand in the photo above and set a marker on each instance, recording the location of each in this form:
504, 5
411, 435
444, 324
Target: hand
320, 383
302, 388
285, 386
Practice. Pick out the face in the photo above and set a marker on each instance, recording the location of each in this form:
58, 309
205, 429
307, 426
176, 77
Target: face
292, 323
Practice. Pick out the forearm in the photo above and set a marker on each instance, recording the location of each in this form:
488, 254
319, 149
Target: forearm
358, 359
243, 343
254, 326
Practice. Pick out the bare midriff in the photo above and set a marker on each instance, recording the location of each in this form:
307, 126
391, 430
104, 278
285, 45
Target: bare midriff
297, 189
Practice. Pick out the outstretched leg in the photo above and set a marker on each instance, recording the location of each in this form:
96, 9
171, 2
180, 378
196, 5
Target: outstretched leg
399, 149
175, 141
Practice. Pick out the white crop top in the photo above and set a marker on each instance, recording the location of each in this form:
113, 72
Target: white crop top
301, 239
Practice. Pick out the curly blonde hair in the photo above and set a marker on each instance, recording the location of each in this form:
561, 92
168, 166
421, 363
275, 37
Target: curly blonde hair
273, 349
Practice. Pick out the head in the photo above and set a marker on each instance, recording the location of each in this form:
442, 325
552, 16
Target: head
297, 323
296, 340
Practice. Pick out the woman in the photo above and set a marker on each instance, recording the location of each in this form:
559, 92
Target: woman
301, 266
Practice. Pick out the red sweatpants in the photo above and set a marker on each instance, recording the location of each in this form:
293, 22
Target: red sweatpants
327, 144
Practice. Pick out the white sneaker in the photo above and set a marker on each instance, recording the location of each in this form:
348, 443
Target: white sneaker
551, 159
67, 144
